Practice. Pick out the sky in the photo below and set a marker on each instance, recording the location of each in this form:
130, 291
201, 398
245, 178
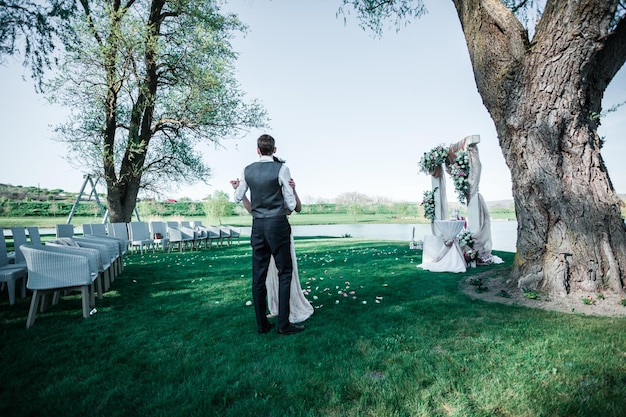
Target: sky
349, 112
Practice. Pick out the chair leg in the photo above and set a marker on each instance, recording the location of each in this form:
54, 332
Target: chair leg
92, 296
85, 297
99, 287
32, 312
44, 300
11, 289
24, 279
105, 280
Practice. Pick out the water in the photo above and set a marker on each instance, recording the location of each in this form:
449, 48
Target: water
503, 233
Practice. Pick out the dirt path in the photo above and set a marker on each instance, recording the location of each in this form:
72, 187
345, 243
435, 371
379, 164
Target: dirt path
499, 291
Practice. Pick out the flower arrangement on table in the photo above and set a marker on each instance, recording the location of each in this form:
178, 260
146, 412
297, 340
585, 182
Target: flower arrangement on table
428, 202
466, 239
433, 158
470, 256
460, 175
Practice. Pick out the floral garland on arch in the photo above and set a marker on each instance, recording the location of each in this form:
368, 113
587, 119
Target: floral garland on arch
433, 158
460, 175
429, 204
466, 239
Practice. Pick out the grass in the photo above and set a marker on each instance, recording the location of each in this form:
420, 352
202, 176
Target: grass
174, 337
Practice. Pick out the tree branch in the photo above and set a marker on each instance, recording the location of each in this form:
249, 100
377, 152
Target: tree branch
497, 43
613, 56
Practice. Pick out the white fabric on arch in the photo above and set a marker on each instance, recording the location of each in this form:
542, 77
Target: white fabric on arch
449, 257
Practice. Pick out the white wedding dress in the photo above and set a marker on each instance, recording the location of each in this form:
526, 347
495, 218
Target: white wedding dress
300, 308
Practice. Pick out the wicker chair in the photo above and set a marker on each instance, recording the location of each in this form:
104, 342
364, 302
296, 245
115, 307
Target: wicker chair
53, 270
139, 234
212, 232
10, 274
64, 230
33, 235
230, 233
180, 235
119, 230
158, 231
104, 260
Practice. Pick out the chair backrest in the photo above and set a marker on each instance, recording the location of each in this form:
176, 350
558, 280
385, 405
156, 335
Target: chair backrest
172, 224
139, 231
197, 223
19, 239
33, 234
158, 227
186, 224
98, 229
224, 231
65, 230
118, 230
4, 259
87, 229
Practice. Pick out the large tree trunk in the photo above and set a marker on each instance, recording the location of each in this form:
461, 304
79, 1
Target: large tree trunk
123, 189
542, 96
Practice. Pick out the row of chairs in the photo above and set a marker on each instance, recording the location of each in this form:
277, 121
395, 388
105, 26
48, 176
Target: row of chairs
88, 264
166, 235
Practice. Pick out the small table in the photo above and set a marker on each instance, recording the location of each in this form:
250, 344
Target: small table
449, 229
449, 256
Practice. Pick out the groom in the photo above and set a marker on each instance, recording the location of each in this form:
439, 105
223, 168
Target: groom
271, 199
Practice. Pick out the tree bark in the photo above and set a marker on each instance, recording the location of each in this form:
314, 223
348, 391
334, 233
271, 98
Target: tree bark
124, 189
542, 96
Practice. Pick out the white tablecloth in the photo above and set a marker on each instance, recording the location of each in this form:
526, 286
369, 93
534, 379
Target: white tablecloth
445, 244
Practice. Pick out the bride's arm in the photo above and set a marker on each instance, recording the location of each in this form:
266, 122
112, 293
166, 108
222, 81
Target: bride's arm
246, 203
298, 208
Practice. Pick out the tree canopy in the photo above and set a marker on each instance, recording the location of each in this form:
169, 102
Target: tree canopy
33, 30
147, 81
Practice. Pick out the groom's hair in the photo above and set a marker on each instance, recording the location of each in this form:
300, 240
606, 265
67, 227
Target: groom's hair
266, 144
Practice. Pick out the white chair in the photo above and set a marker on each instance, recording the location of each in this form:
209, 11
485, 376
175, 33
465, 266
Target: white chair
231, 232
64, 230
99, 231
114, 251
178, 235
103, 258
158, 231
52, 270
10, 274
210, 233
188, 229
139, 234
33, 235
119, 230
19, 239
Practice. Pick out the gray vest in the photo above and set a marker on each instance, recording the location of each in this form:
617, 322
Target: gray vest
266, 195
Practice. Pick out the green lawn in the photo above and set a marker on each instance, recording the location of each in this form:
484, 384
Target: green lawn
174, 337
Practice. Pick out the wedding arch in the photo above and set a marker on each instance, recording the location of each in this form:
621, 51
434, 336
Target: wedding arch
462, 162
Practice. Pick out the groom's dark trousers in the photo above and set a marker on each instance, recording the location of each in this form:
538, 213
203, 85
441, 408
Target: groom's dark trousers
271, 236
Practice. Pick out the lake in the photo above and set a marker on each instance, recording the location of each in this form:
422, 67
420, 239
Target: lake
503, 233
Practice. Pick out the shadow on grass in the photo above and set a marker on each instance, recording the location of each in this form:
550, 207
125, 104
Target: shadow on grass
174, 337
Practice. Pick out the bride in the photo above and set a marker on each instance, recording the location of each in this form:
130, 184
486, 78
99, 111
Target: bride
300, 308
